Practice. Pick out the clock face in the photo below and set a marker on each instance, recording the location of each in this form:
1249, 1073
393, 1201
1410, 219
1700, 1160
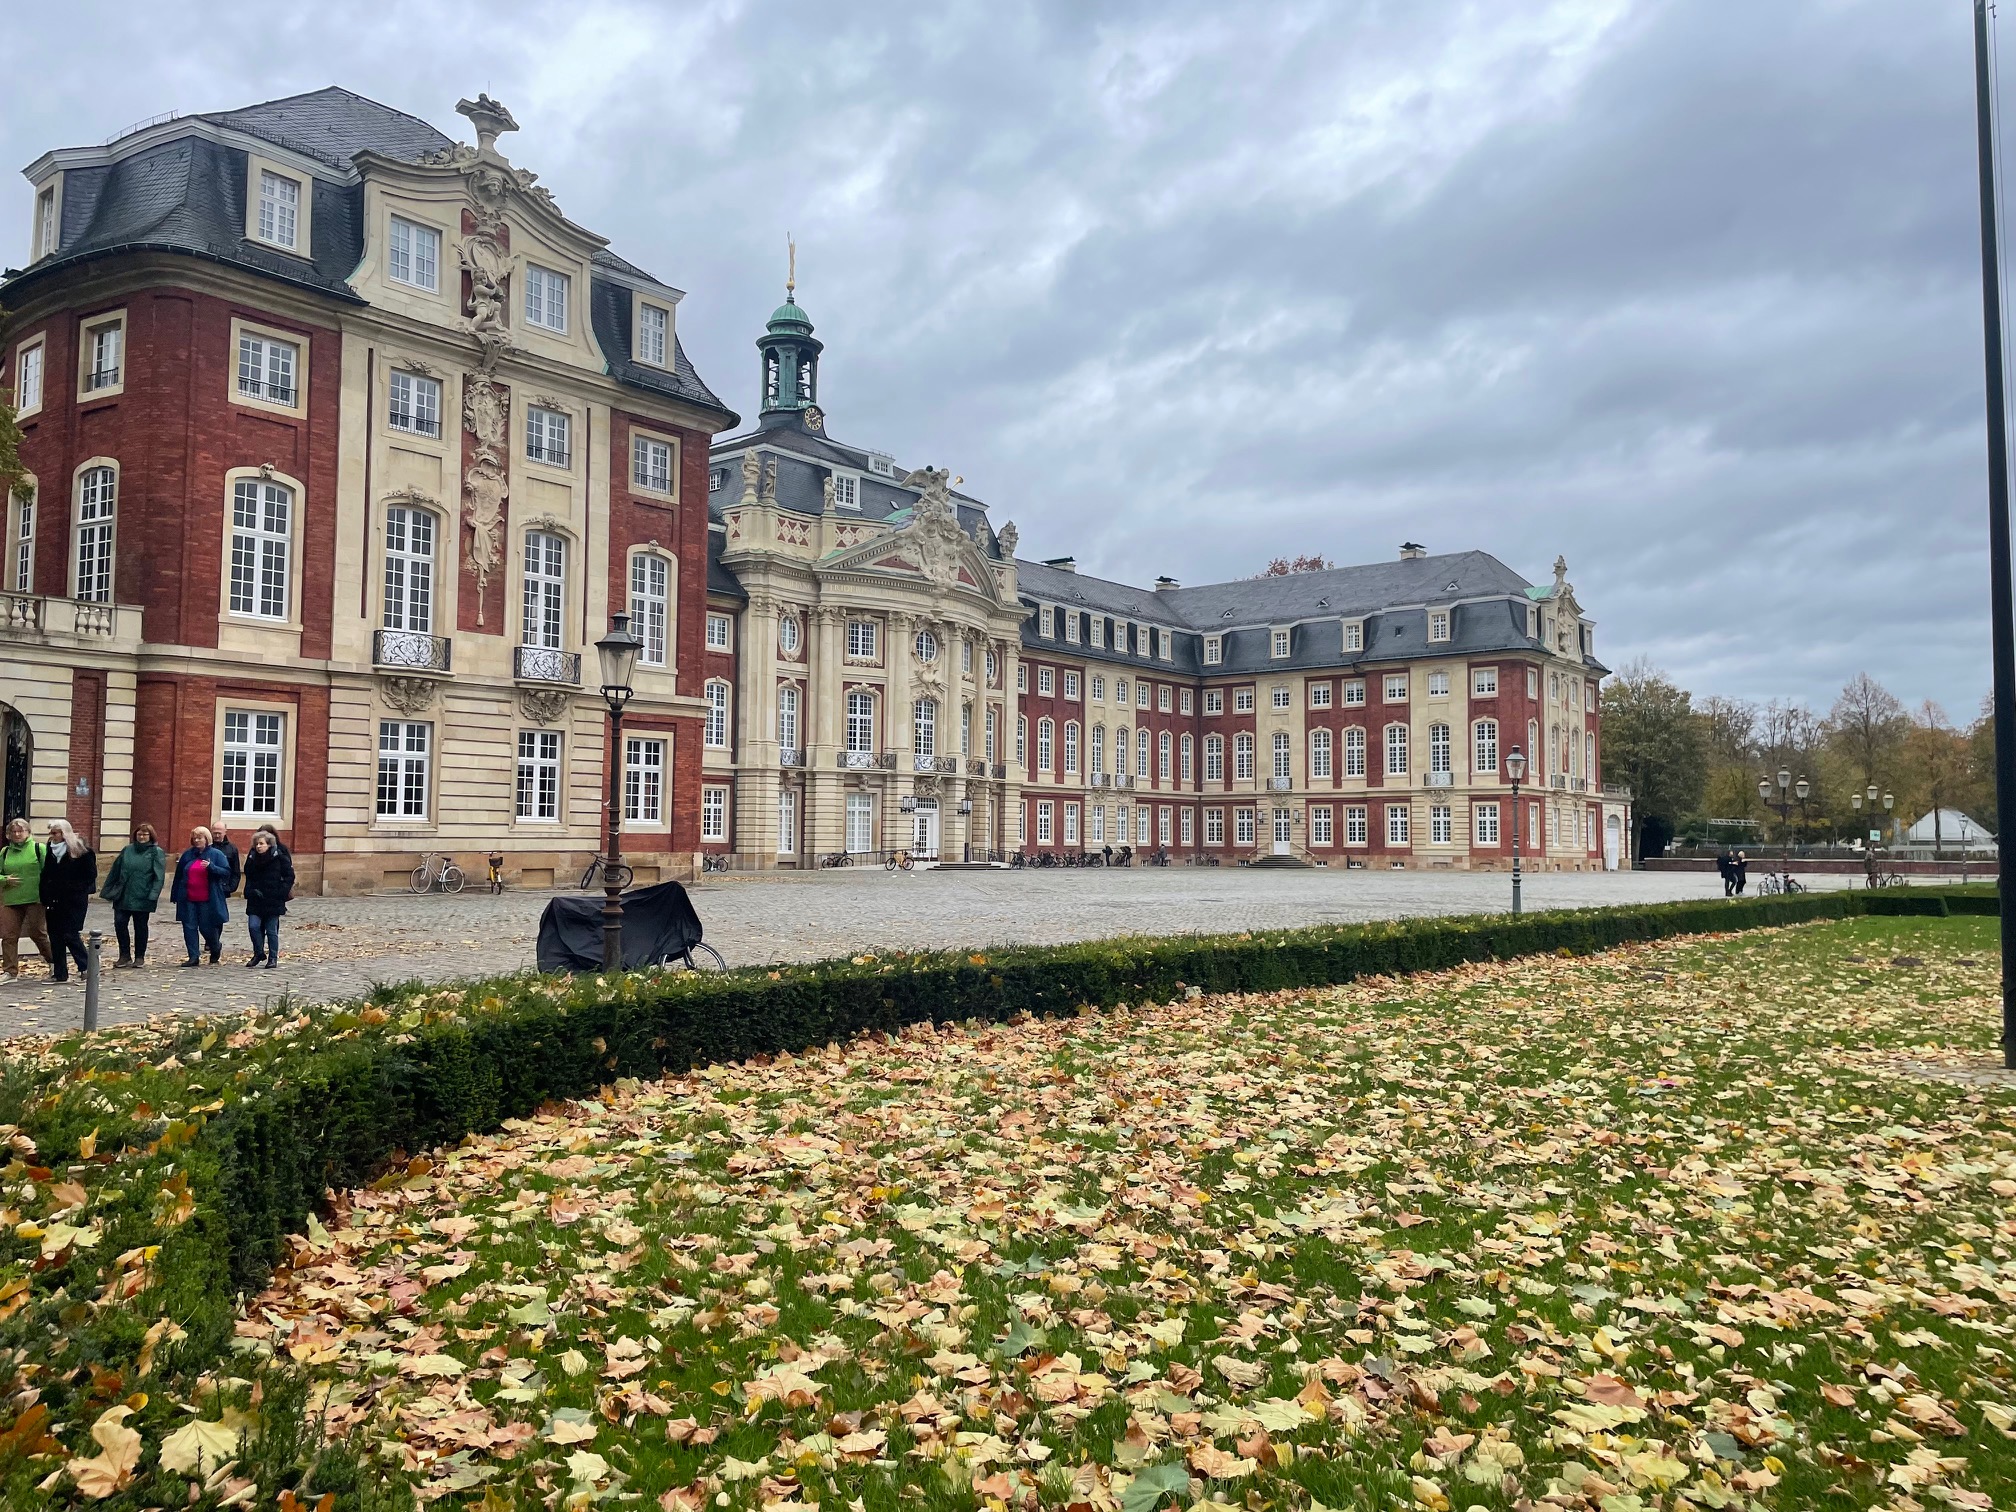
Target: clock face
815, 418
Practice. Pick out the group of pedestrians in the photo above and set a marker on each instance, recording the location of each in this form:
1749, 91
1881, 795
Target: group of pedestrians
46, 889
1735, 869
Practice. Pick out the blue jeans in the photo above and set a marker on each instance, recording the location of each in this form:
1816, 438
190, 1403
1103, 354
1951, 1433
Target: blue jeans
195, 937
265, 936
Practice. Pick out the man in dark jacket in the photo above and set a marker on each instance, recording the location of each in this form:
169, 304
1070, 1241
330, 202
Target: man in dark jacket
220, 839
69, 878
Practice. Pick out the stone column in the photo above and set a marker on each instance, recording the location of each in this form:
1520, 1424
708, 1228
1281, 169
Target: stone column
756, 827
896, 735
824, 825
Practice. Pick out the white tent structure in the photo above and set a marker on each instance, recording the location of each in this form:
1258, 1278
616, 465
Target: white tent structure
1949, 832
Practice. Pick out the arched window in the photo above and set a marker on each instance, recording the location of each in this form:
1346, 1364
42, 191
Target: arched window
1396, 750
1022, 740
925, 726
409, 569
1070, 745
651, 606
1438, 749
1120, 750
860, 720
1484, 746
1242, 757
716, 732
545, 588
1533, 744
1319, 753
965, 729
1141, 754
770, 377
1189, 760
262, 525
1589, 755
993, 735
1282, 767
1098, 749
787, 716
97, 504
1214, 758
1354, 752
1046, 737
1164, 756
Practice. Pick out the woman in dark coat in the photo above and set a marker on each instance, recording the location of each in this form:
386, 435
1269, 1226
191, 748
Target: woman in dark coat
269, 881
69, 878
198, 895
133, 887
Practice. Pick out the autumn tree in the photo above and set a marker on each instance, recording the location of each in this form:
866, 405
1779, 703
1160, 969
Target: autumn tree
1728, 737
1940, 764
1652, 739
1867, 729
1287, 566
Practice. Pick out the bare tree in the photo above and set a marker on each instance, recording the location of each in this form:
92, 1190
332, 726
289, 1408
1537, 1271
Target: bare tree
1867, 728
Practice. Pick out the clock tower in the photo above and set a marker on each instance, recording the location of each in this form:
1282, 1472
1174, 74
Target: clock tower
790, 362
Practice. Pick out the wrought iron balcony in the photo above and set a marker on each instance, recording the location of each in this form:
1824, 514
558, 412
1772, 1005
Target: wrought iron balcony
1122, 780
948, 766
1281, 784
865, 761
790, 756
1000, 771
1558, 780
1578, 784
1100, 779
1441, 779
412, 650
976, 769
919, 762
546, 665
1621, 791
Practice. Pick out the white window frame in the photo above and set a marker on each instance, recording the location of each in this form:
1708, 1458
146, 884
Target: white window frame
1284, 754
1438, 625
720, 632
1319, 695
651, 606
549, 436
1399, 824
254, 751
1072, 619
1355, 745
1438, 683
1440, 748
1320, 743
537, 799
714, 814
101, 356
269, 371
788, 709
643, 779
1242, 700
1320, 830
408, 599
1354, 693
1245, 827
94, 533
1071, 686
714, 725
1483, 682
408, 760
417, 251
1483, 747
1070, 824
653, 346
1441, 824
1484, 819
31, 376
1046, 743
21, 510
1357, 824
846, 491
1354, 635
924, 727
1046, 622
261, 558
1242, 756
1046, 682
860, 833
1280, 697
646, 454
787, 821
1214, 650
413, 403
1214, 758
48, 229
548, 292
860, 731
1214, 826
862, 640
1397, 752
281, 207
1045, 815
1394, 687
1214, 701
543, 619
1278, 643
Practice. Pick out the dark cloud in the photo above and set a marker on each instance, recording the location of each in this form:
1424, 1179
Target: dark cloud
1683, 289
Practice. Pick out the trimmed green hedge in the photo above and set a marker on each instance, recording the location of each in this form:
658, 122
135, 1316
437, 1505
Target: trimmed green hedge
216, 1150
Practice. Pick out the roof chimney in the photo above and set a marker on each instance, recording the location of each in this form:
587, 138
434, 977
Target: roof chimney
1164, 584
1409, 550
1062, 564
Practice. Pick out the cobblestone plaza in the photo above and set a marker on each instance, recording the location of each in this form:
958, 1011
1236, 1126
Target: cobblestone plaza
337, 947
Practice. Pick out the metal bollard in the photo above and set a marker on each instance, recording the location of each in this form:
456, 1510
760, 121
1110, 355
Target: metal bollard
91, 945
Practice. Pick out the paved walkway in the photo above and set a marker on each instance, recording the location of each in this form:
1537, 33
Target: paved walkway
338, 947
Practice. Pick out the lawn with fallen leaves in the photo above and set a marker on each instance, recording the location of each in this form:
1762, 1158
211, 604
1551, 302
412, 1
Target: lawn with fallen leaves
1672, 1226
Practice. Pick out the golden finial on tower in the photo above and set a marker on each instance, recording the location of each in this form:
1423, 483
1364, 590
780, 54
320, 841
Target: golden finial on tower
791, 278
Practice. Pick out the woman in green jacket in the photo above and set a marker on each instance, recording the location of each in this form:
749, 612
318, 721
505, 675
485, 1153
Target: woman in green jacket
21, 896
133, 888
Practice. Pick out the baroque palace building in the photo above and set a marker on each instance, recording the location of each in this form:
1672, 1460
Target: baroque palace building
344, 444
883, 674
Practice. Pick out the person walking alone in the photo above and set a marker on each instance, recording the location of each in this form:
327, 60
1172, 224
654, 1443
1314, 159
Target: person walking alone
269, 882
1742, 872
133, 888
198, 896
69, 877
21, 896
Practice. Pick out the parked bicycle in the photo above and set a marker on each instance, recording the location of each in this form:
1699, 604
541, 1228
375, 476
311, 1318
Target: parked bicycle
836, 858
495, 862
899, 861
1776, 883
714, 862
600, 874
436, 871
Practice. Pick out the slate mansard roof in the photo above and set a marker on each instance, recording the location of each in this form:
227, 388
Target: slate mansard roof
179, 185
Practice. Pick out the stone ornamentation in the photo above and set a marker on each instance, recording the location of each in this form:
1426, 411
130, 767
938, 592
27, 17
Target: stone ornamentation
769, 480
934, 525
485, 412
543, 705
1008, 536
752, 476
407, 695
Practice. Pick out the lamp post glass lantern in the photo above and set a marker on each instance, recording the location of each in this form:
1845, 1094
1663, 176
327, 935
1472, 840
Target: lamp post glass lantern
1515, 768
617, 652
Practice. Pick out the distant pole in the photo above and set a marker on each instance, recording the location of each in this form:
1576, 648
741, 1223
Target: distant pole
2004, 616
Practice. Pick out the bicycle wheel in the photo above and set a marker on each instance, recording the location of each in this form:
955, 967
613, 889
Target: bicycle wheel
704, 957
423, 878
588, 877
452, 878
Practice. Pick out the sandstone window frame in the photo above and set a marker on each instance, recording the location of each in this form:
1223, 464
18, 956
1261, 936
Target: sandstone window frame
438, 530
652, 340
646, 781
643, 442
93, 384
281, 816
262, 478
45, 231
539, 772
108, 520
547, 298
300, 215
394, 219
647, 596
37, 347
420, 387
725, 624
405, 761
243, 331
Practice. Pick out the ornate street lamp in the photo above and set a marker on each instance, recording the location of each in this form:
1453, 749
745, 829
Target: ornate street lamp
1786, 791
1515, 768
618, 653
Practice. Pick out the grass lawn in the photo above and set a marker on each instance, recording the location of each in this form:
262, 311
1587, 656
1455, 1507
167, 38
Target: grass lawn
1666, 1227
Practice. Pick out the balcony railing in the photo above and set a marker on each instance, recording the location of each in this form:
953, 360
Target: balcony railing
1100, 779
976, 769
544, 664
272, 393
866, 761
1621, 791
1441, 779
1280, 784
1558, 780
790, 756
947, 766
920, 762
1000, 770
1122, 780
39, 614
1578, 784
413, 650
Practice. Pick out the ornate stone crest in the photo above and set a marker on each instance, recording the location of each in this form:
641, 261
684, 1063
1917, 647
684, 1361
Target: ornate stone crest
407, 695
543, 705
934, 525
1008, 536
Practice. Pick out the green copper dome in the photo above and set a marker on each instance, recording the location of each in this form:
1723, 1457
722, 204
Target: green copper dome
789, 319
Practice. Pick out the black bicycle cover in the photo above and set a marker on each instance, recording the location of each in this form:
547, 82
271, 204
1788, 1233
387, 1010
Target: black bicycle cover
658, 923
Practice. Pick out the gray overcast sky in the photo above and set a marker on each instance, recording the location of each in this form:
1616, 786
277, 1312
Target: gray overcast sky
1684, 289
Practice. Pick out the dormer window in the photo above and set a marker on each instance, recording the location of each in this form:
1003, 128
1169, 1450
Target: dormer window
654, 329
1280, 644
279, 209
46, 234
846, 491
414, 256
1214, 650
882, 466
1098, 635
545, 298
1046, 622
1354, 635
1071, 627
1438, 625
1532, 623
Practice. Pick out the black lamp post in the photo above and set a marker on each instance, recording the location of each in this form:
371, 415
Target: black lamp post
1515, 768
618, 652
1787, 790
